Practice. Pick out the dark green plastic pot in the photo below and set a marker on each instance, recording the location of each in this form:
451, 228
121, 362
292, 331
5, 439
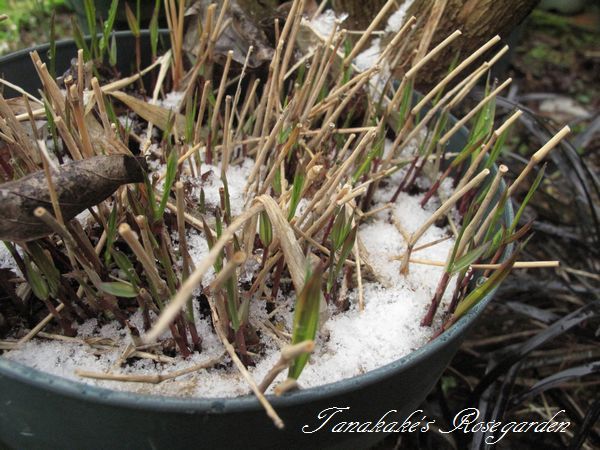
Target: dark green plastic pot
44, 411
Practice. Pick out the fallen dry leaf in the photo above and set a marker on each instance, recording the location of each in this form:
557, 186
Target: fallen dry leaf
243, 29
158, 115
79, 185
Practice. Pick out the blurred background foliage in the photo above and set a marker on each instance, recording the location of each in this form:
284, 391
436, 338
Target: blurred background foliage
28, 22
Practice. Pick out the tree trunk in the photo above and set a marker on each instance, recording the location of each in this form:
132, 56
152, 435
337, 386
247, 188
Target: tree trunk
360, 13
479, 20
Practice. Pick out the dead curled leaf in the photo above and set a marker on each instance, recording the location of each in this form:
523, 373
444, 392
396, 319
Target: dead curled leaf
292, 251
79, 185
158, 115
242, 30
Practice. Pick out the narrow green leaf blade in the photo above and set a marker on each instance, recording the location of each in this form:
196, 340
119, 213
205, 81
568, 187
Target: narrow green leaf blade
265, 229
154, 29
296, 192
528, 196
481, 291
111, 232
469, 258
38, 285
132, 21
169, 181
306, 318
126, 266
46, 267
119, 289
346, 249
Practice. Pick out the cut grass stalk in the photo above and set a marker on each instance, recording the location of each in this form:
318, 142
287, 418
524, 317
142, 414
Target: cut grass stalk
408, 25
485, 266
240, 366
27, 149
51, 189
155, 379
228, 271
367, 33
157, 284
248, 103
87, 149
288, 354
49, 84
220, 93
476, 221
473, 111
148, 242
453, 74
293, 19
536, 158
273, 104
414, 237
476, 162
186, 289
174, 11
201, 112
432, 54
101, 106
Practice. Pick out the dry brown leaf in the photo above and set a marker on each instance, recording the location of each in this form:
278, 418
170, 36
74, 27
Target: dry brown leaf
294, 258
79, 185
243, 29
158, 115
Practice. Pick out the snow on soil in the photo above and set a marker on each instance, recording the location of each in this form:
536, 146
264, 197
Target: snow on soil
7, 261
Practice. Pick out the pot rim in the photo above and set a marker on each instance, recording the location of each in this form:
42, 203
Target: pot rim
222, 405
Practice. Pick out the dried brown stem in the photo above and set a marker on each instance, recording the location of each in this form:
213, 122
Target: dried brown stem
154, 379
183, 248
288, 354
146, 260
